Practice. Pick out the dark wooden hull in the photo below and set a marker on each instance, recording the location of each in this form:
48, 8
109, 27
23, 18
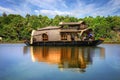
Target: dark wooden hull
66, 43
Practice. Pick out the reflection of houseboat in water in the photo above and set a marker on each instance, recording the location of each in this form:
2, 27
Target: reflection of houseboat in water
66, 34
73, 58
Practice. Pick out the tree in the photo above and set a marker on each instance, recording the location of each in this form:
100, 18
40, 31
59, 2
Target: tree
4, 14
17, 28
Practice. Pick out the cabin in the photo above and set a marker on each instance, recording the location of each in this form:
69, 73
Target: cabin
66, 31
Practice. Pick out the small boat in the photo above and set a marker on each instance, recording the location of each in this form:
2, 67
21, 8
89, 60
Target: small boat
66, 34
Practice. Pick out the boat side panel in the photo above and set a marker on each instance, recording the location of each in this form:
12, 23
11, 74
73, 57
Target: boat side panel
68, 43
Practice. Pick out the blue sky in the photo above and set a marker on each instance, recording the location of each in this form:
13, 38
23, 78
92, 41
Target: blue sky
50, 8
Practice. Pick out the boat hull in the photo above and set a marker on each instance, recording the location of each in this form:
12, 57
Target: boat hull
66, 43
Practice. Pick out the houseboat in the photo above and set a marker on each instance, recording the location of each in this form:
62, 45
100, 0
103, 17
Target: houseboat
66, 34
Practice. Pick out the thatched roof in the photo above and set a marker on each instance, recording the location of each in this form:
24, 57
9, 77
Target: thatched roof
72, 30
49, 28
70, 23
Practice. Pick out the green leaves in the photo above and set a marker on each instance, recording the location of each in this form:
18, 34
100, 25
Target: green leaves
17, 28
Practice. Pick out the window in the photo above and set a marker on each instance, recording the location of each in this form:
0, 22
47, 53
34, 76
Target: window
63, 36
45, 37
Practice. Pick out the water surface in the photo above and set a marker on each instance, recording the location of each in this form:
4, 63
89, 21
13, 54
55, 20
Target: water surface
20, 62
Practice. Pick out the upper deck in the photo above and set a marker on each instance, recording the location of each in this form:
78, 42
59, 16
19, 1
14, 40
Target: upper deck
72, 25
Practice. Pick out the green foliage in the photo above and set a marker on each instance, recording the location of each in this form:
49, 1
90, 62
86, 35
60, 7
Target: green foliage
17, 28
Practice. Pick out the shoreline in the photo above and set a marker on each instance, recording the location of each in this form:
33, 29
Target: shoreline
111, 42
17, 42
11, 42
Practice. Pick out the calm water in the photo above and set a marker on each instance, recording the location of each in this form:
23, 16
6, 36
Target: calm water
19, 62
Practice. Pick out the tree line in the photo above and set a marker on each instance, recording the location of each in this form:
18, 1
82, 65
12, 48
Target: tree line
15, 27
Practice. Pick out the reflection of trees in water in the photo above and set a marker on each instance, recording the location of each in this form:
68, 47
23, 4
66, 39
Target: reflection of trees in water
25, 50
73, 58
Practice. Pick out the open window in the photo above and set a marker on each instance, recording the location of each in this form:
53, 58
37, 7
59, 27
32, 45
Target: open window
45, 37
63, 36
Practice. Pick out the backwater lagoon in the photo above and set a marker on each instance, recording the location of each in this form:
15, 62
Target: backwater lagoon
21, 62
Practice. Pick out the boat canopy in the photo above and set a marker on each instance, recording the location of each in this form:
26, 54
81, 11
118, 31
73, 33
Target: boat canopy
49, 28
71, 23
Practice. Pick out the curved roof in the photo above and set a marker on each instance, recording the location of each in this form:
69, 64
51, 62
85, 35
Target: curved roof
71, 23
49, 27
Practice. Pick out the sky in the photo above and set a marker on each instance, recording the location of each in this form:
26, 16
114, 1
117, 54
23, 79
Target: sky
50, 8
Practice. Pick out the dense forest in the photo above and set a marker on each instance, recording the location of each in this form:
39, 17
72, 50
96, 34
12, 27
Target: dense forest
16, 28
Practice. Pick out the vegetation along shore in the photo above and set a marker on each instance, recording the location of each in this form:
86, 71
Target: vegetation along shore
16, 28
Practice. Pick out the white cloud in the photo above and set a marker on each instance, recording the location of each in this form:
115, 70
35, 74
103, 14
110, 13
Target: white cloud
48, 4
108, 9
59, 7
79, 9
52, 12
8, 10
22, 9
82, 9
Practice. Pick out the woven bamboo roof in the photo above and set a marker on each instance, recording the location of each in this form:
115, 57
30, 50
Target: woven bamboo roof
70, 23
73, 30
49, 28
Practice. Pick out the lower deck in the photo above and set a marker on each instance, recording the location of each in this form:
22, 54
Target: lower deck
66, 43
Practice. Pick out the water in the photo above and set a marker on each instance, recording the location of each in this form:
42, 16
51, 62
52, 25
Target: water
19, 62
